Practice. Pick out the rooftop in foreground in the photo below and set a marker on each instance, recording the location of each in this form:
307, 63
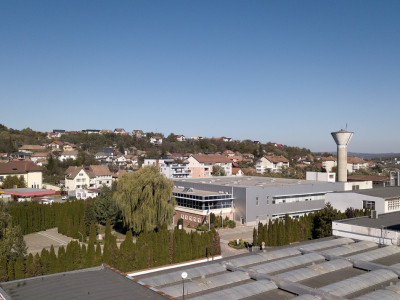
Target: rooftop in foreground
93, 283
251, 181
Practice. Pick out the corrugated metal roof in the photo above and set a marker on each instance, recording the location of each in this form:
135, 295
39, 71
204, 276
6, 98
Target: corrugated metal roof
315, 270
358, 283
376, 254
202, 284
327, 244
350, 248
175, 276
287, 263
240, 291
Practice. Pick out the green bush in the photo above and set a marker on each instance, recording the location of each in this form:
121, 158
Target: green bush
242, 244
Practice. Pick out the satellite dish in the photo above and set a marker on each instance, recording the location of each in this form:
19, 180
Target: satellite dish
184, 275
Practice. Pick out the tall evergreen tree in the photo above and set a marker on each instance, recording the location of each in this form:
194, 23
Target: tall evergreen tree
105, 207
19, 268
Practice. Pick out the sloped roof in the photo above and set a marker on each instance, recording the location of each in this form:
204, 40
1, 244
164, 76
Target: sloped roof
355, 160
367, 178
211, 158
70, 152
31, 147
99, 170
19, 167
277, 159
329, 158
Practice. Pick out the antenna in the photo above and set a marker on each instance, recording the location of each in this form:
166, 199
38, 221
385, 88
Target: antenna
346, 126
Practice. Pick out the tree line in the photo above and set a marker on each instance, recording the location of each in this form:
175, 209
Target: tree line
153, 249
310, 226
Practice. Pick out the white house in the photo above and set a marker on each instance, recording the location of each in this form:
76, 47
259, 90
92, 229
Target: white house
72, 154
180, 138
355, 164
271, 163
156, 140
196, 138
87, 177
328, 163
169, 168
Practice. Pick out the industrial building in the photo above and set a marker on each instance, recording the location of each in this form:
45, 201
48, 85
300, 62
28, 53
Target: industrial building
258, 199
383, 229
383, 200
340, 268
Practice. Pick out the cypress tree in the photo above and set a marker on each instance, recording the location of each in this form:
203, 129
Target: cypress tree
99, 258
11, 270
30, 271
45, 261
19, 268
83, 257
53, 262
37, 265
61, 259
3, 269
255, 237
260, 234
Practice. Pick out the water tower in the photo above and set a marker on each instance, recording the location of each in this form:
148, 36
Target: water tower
342, 138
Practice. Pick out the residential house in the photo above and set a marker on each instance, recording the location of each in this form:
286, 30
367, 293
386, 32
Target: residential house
138, 133
120, 131
169, 168
202, 165
31, 148
105, 155
180, 138
271, 163
237, 172
84, 194
72, 154
69, 147
229, 153
156, 140
196, 138
31, 172
131, 161
91, 131
355, 164
94, 176
3, 157
53, 135
56, 145
103, 131
328, 163
227, 139
39, 157
20, 155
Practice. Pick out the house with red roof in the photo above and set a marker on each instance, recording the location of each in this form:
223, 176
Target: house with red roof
201, 165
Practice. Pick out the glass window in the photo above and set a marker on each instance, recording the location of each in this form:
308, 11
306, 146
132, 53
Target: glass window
186, 217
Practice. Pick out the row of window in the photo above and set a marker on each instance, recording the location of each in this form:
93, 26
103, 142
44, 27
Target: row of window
295, 198
394, 204
191, 196
202, 205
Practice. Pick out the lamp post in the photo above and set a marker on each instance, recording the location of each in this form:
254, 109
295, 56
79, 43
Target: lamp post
183, 275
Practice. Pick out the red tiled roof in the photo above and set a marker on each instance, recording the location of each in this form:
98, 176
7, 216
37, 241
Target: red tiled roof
19, 167
355, 160
329, 158
367, 178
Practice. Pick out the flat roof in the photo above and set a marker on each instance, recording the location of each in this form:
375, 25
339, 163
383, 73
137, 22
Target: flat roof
196, 192
251, 181
389, 221
384, 192
93, 283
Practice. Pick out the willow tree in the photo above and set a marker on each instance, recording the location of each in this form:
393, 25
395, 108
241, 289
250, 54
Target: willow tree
145, 199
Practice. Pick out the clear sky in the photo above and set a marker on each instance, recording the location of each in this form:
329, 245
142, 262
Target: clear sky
283, 71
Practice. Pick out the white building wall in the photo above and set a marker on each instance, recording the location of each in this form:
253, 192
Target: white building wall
342, 201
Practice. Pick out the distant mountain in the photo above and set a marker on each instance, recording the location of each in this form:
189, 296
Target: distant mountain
366, 155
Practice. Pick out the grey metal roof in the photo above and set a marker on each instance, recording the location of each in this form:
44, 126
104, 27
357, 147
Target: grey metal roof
350, 248
376, 254
240, 291
252, 181
389, 221
163, 279
95, 283
358, 283
315, 270
307, 297
386, 192
287, 263
327, 244
201, 284
391, 292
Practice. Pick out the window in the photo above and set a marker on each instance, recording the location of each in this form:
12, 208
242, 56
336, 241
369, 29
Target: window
198, 220
182, 216
186, 217
355, 187
190, 218
368, 204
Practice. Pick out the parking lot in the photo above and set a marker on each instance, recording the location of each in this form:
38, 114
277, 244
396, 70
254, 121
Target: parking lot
44, 239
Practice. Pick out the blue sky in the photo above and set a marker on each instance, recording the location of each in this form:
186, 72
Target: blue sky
284, 71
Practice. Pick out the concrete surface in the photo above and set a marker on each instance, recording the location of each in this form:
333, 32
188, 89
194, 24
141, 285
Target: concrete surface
44, 239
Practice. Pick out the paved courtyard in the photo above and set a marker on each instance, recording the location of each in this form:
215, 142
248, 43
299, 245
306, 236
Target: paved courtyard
240, 232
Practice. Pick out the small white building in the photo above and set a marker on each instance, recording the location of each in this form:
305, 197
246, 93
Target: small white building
180, 138
72, 154
321, 176
156, 140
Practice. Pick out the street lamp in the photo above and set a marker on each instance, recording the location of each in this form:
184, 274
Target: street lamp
183, 275
81, 236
